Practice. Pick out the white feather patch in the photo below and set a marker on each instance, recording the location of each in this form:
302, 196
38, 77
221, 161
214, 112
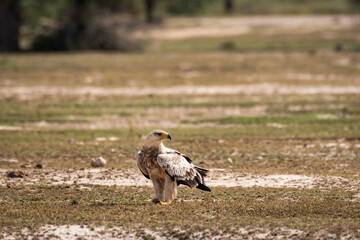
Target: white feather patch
176, 166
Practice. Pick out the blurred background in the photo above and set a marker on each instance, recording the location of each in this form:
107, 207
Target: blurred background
63, 25
76, 71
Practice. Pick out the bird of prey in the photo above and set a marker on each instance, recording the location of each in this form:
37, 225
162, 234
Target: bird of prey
168, 168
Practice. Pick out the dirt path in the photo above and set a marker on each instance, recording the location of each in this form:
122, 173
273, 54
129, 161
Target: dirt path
132, 177
102, 232
38, 92
182, 28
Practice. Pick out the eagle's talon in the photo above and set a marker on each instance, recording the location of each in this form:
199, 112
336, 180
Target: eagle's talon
156, 201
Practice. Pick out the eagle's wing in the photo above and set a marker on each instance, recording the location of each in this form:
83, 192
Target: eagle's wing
181, 170
142, 170
169, 150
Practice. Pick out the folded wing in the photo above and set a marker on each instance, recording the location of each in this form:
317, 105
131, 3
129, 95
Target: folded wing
142, 169
181, 170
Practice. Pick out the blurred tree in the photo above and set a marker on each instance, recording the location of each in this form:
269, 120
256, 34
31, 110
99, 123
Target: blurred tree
9, 25
76, 25
185, 7
96, 24
149, 10
92, 24
355, 4
228, 6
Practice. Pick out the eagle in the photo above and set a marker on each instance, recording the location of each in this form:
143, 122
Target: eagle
168, 168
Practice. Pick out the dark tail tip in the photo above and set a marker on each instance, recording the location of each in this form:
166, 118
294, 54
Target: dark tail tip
203, 187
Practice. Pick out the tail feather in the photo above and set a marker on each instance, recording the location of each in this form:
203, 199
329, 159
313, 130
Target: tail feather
198, 181
202, 171
203, 187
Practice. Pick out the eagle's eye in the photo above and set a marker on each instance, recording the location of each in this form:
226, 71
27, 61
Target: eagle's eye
158, 134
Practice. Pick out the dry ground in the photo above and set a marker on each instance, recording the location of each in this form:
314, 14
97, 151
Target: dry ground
265, 102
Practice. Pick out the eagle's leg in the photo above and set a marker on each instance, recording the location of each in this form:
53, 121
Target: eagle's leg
159, 190
170, 190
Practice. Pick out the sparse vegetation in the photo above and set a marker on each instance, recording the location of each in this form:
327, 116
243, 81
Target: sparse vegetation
130, 208
57, 110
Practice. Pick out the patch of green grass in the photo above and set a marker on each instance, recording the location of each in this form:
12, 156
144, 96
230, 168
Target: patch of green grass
14, 112
223, 209
112, 103
248, 7
256, 149
292, 120
164, 70
74, 110
258, 42
7, 64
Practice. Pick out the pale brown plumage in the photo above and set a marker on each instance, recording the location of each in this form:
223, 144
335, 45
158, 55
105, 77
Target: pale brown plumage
167, 168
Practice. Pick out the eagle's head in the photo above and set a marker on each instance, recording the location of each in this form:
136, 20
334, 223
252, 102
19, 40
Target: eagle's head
156, 137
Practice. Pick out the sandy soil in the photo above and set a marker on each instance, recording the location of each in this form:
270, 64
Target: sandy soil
132, 177
71, 232
92, 233
10, 128
234, 26
38, 92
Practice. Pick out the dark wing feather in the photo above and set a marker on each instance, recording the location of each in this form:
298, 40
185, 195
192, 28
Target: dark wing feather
182, 170
147, 176
139, 164
187, 158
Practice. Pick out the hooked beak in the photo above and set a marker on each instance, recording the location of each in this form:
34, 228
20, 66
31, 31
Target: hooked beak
166, 136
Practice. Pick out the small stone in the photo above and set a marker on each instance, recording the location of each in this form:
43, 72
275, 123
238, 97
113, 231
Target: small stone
100, 139
39, 166
338, 47
15, 174
25, 165
113, 139
229, 160
10, 185
113, 150
98, 162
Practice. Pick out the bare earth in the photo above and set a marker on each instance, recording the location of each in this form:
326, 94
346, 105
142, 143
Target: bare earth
233, 26
92, 233
38, 92
131, 177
